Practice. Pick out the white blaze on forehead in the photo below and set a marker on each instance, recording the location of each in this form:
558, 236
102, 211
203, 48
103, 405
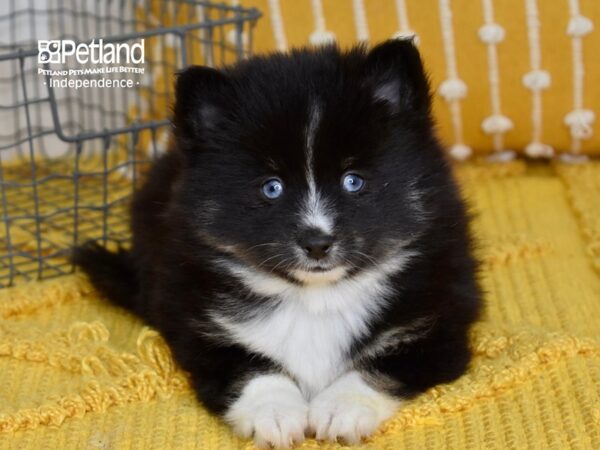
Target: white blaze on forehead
315, 212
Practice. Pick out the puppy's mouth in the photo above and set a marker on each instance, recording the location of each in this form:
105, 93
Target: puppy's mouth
319, 275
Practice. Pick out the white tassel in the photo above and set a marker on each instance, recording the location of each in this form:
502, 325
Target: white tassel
537, 80
497, 123
491, 33
580, 122
460, 152
321, 38
408, 35
404, 29
539, 150
579, 26
453, 89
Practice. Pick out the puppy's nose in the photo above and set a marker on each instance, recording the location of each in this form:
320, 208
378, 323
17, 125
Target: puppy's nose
316, 246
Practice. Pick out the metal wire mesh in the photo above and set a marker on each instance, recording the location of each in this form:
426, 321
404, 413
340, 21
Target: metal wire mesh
70, 159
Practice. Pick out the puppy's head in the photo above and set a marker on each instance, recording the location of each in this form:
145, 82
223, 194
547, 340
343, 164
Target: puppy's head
309, 166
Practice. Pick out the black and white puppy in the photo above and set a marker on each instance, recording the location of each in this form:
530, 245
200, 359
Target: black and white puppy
303, 248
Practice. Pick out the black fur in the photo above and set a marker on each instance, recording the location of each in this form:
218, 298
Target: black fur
236, 128
113, 274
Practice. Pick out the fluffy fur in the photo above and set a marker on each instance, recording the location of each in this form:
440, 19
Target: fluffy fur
277, 341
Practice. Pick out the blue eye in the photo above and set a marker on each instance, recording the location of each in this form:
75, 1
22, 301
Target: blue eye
352, 182
272, 189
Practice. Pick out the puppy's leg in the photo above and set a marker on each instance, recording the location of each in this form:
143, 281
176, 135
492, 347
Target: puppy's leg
354, 405
247, 390
350, 408
271, 408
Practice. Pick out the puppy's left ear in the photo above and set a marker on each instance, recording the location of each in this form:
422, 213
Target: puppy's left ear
394, 71
201, 101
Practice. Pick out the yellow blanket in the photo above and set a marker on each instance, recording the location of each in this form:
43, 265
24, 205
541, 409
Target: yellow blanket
78, 373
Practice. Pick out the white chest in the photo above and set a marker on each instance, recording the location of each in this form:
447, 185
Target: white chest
313, 328
312, 347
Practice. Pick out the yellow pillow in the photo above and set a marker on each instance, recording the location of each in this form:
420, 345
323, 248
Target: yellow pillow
522, 115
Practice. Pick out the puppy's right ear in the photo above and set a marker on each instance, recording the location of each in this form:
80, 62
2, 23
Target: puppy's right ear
395, 71
199, 102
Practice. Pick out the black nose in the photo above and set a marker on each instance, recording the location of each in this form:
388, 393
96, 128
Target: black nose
316, 246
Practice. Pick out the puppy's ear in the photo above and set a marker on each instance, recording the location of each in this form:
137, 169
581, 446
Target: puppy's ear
200, 102
395, 72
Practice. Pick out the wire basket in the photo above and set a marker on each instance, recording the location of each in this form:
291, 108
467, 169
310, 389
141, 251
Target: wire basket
70, 157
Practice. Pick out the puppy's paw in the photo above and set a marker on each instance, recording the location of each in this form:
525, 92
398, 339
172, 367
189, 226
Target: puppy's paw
272, 409
349, 409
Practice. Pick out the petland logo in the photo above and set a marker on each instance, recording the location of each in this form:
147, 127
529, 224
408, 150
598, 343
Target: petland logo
58, 52
93, 65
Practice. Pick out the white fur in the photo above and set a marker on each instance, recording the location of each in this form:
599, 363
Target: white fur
311, 131
315, 212
272, 409
310, 331
349, 409
327, 276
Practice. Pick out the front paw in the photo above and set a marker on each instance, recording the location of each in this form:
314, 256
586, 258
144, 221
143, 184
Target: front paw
272, 409
349, 409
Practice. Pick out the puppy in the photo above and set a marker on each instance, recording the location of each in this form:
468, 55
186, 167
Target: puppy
303, 248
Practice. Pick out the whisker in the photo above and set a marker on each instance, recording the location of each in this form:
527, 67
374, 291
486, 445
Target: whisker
289, 262
269, 259
369, 258
263, 245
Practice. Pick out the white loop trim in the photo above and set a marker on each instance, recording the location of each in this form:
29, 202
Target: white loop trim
460, 152
580, 122
539, 150
579, 26
491, 33
277, 25
496, 123
537, 80
402, 15
321, 37
360, 20
453, 89
408, 35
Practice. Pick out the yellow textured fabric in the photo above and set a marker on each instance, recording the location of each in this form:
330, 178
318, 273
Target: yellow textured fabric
513, 57
78, 373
